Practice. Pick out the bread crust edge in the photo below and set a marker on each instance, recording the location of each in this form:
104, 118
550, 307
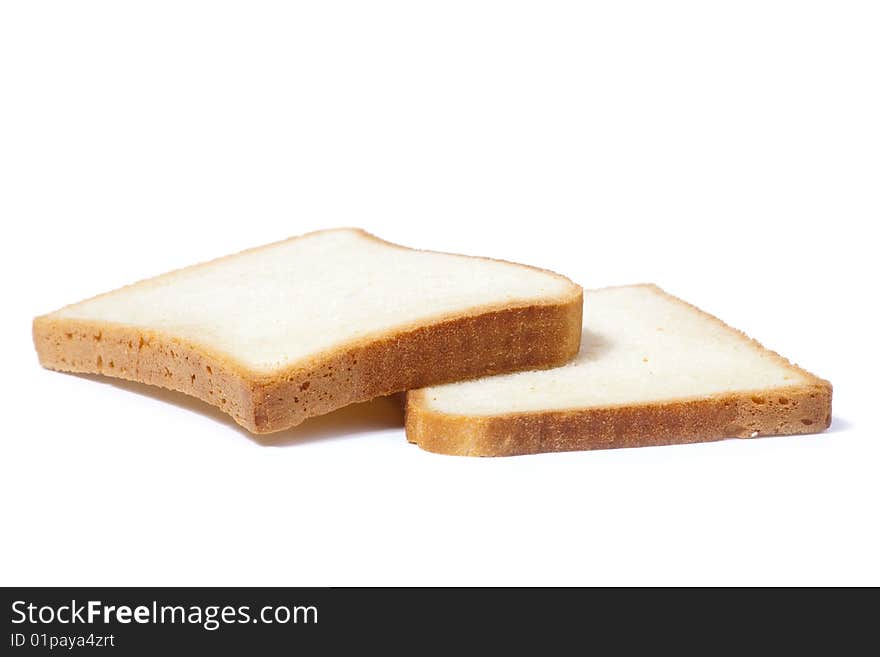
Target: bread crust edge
774, 412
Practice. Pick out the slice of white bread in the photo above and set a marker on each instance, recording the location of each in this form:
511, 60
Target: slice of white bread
282, 332
652, 370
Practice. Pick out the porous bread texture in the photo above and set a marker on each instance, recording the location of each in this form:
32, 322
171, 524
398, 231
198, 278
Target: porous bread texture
652, 370
283, 332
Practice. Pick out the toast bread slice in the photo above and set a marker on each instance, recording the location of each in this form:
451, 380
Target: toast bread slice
279, 333
652, 370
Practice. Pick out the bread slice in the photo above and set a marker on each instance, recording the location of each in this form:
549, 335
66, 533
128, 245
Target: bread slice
652, 370
279, 333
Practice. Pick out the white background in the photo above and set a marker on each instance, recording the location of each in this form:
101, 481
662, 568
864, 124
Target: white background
728, 151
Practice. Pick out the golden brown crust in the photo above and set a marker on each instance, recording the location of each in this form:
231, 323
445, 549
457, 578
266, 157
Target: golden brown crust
530, 337
796, 409
487, 340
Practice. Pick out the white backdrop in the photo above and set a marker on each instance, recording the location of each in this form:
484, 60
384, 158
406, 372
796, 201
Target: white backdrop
726, 151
